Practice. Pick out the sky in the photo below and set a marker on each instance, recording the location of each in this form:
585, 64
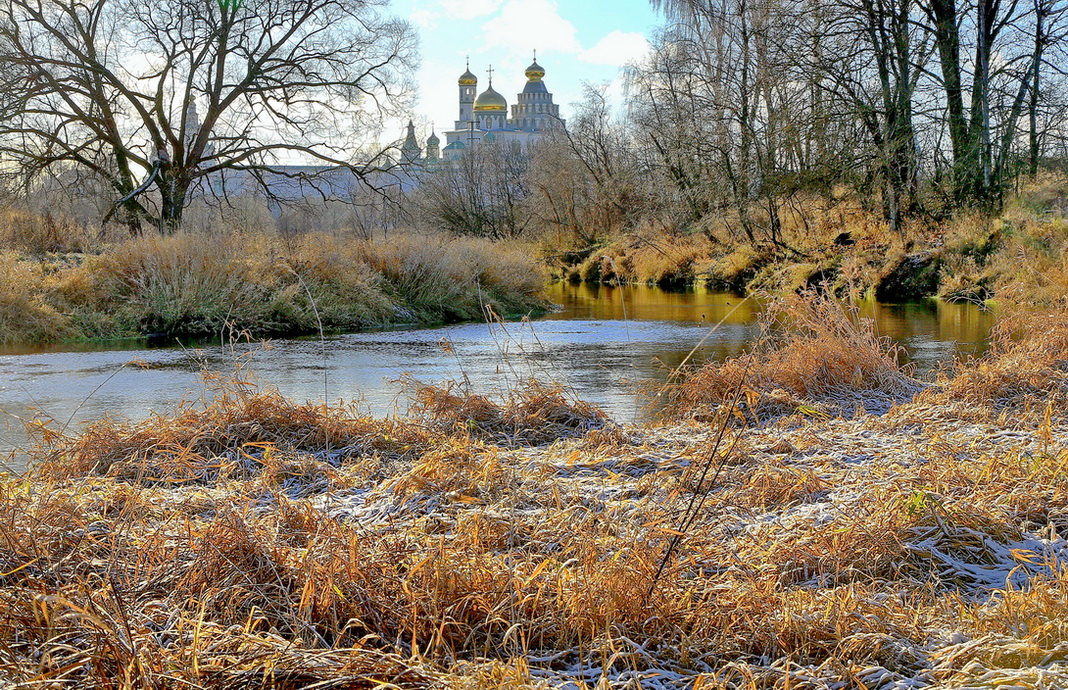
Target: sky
577, 41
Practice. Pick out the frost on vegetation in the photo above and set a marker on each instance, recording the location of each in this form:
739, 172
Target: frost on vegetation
537, 546
978, 563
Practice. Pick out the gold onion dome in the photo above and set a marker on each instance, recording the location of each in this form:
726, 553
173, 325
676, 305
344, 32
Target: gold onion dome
468, 79
490, 100
535, 72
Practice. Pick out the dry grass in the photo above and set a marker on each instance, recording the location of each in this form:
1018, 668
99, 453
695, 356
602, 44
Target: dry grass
533, 413
256, 542
816, 355
31, 233
207, 285
1025, 374
195, 286
453, 279
24, 314
917, 548
243, 431
1019, 255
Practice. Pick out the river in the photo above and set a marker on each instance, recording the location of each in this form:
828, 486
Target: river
601, 344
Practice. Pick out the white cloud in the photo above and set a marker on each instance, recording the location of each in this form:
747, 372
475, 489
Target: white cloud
438, 93
425, 19
525, 25
469, 9
617, 49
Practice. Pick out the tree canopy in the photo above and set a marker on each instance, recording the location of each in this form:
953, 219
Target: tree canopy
163, 94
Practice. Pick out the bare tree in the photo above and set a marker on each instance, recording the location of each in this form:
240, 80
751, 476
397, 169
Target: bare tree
970, 116
164, 95
743, 98
1049, 63
729, 114
870, 57
481, 193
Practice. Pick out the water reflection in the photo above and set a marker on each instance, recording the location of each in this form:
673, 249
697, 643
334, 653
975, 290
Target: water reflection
643, 303
932, 332
588, 346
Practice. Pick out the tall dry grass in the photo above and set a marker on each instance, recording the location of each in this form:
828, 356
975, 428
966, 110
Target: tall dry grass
534, 412
206, 285
32, 233
1024, 375
814, 354
243, 431
25, 315
456, 278
195, 285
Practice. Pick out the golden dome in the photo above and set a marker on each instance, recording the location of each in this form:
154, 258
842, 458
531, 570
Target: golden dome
535, 72
490, 100
468, 79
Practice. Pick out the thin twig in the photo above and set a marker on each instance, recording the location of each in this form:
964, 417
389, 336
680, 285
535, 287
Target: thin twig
697, 498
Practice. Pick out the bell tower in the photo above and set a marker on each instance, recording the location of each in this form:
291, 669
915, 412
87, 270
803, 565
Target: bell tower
468, 85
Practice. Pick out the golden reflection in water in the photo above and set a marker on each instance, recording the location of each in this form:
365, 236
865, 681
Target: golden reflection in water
960, 329
644, 303
966, 324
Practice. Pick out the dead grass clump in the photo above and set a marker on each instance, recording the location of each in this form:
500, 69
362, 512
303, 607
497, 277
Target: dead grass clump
1025, 371
183, 285
36, 234
456, 466
665, 259
779, 485
240, 433
451, 279
196, 284
347, 292
25, 315
241, 601
815, 355
242, 569
532, 413
736, 269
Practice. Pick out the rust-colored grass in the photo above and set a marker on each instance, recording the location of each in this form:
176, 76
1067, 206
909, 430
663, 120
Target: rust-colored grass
24, 313
534, 412
256, 542
1025, 374
815, 354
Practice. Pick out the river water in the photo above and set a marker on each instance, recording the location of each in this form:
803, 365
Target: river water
603, 343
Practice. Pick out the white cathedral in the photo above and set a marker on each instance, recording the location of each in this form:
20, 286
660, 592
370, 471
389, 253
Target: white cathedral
485, 118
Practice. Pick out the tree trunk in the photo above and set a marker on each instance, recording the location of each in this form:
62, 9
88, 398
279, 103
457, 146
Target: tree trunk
173, 189
943, 14
1032, 106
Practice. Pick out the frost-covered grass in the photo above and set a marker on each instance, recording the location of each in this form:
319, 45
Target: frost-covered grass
261, 543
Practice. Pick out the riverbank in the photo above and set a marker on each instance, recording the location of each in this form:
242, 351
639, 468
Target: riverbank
260, 284
970, 257
809, 515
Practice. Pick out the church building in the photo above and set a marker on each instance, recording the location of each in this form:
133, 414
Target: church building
486, 118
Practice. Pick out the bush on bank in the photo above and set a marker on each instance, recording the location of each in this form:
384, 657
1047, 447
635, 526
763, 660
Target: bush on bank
194, 285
